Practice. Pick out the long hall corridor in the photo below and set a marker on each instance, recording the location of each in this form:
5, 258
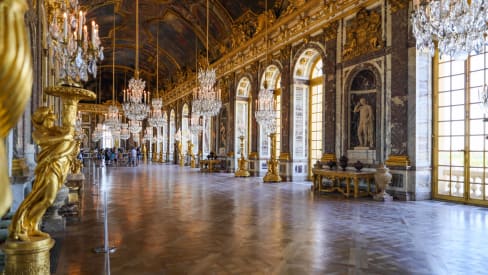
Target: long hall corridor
166, 219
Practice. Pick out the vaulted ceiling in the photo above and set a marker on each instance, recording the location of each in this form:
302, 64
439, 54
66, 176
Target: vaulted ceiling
181, 28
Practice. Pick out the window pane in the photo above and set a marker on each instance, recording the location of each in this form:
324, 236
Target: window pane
457, 82
444, 69
477, 62
457, 67
457, 128
444, 113
444, 99
457, 112
476, 127
477, 79
444, 84
444, 128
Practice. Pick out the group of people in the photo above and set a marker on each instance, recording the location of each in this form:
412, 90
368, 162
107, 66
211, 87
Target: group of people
117, 156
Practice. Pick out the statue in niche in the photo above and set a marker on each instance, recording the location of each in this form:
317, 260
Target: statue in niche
57, 146
365, 123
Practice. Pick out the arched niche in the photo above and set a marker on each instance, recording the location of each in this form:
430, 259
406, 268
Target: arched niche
364, 109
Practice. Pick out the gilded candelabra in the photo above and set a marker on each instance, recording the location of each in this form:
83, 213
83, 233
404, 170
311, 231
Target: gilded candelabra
273, 173
190, 154
180, 152
27, 247
15, 81
242, 170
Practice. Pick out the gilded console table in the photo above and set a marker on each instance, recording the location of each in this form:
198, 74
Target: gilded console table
336, 176
208, 165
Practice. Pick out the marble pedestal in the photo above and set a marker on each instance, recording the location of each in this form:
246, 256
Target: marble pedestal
52, 221
363, 154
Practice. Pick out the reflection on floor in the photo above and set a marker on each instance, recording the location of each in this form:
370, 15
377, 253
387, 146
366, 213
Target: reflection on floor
166, 219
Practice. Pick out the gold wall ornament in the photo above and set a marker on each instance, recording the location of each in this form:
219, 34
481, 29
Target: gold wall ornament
363, 34
57, 145
16, 80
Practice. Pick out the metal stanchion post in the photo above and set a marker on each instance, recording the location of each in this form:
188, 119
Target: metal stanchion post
105, 248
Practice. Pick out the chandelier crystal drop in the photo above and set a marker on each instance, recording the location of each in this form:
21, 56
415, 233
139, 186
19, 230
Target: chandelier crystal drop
459, 27
73, 47
124, 131
112, 119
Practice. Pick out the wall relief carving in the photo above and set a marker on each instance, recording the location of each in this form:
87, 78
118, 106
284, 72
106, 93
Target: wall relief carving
363, 34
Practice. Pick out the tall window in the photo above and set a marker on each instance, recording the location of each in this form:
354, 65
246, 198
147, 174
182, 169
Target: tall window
165, 134
460, 146
316, 88
172, 132
185, 132
307, 111
278, 116
242, 117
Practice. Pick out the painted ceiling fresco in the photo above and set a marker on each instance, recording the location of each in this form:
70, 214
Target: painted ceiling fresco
181, 25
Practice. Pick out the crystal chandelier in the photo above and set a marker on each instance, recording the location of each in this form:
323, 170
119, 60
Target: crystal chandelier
206, 98
76, 51
135, 126
156, 117
124, 131
459, 27
135, 98
98, 133
112, 120
266, 114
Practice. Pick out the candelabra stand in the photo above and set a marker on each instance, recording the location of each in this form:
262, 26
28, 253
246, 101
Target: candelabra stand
27, 248
161, 158
242, 170
273, 173
190, 154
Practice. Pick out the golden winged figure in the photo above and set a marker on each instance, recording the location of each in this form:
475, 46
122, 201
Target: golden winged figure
15, 81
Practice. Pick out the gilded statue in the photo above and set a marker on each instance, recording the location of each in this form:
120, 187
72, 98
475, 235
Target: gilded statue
15, 65
57, 146
261, 20
365, 124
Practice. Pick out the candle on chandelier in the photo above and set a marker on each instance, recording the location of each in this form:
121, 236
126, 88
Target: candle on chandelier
93, 33
80, 24
65, 27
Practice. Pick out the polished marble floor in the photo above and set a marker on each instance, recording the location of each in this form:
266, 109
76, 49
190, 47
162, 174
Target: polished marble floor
166, 219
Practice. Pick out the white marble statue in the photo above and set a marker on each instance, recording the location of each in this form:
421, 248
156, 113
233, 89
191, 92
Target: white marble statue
365, 124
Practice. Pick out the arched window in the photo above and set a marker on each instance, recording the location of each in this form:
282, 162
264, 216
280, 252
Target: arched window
172, 132
460, 147
307, 111
242, 117
165, 133
185, 132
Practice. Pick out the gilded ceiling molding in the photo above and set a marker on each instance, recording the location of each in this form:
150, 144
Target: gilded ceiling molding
306, 20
